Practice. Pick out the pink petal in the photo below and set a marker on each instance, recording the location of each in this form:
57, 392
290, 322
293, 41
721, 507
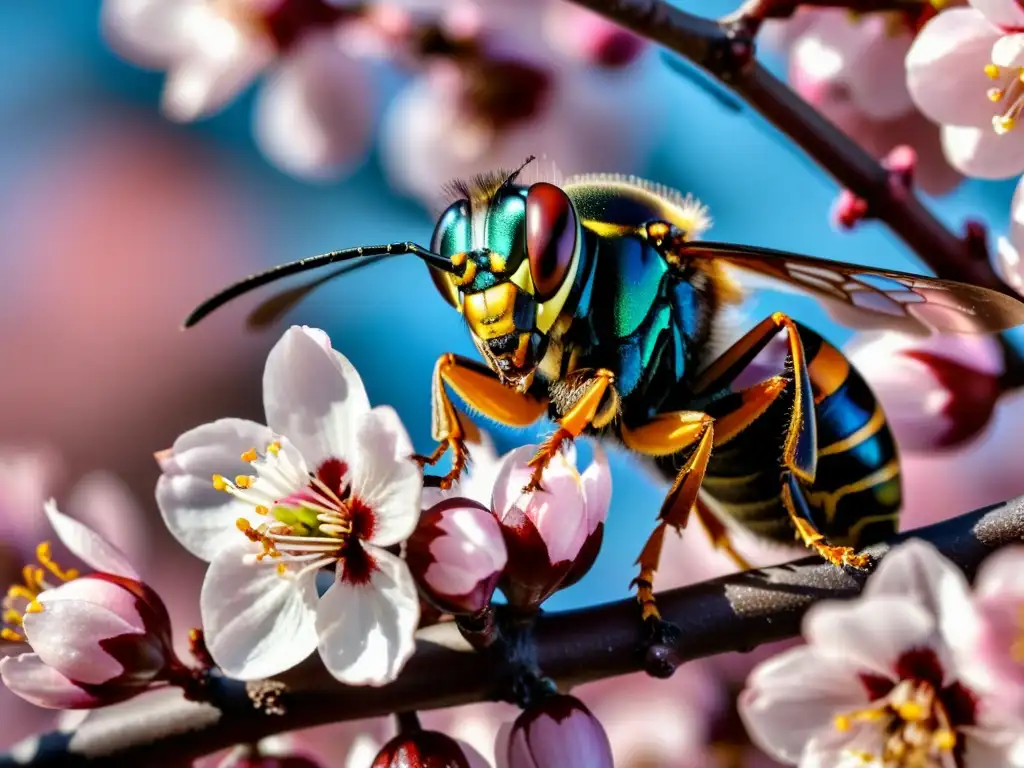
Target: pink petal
367, 631
384, 478
1007, 14
1002, 574
221, 59
313, 117
783, 706
313, 396
44, 686
981, 153
558, 511
559, 733
472, 550
946, 68
597, 489
67, 634
1009, 51
258, 623
199, 516
87, 545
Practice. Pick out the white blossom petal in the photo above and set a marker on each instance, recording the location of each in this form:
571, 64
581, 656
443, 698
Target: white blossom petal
42, 685
367, 631
1002, 574
313, 395
597, 489
793, 696
313, 117
257, 622
946, 68
107, 505
222, 57
981, 153
870, 635
385, 479
199, 516
87, 545
1002, 13
150, 33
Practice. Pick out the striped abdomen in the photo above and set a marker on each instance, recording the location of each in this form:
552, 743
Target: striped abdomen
856, 494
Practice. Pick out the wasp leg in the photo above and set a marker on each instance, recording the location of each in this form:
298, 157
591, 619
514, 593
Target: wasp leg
796, 504
668, 434
719, 534
480, 388
588, 399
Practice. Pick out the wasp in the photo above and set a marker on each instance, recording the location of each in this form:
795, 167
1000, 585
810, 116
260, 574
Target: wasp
594, 303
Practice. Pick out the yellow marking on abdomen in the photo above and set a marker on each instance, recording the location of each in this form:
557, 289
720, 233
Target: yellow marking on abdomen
874, 424
828, 501
828, 371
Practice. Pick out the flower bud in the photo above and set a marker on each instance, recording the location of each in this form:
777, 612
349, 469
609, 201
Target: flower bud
560, 732
427, 749
547, 531
457, 555
937, 391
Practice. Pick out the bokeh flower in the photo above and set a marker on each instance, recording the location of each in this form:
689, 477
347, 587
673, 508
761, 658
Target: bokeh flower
332, 485
937, 391
91, 639
879, 680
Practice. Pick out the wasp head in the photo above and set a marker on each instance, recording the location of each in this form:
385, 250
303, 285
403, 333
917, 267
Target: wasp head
517, 253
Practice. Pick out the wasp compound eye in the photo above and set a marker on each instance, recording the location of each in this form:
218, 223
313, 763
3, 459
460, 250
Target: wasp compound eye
452, 235
551, 232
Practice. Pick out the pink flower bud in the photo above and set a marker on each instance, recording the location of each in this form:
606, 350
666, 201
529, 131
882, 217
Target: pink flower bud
457, 555
560, 732
936, 391
427, 749
551, 533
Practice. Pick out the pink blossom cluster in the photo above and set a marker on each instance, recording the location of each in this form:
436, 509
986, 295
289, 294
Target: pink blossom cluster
556, 82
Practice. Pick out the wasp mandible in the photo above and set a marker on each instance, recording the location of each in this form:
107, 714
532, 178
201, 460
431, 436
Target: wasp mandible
592, 301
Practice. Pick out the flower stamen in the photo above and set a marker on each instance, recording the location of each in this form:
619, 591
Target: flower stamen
22, 598
1009, 93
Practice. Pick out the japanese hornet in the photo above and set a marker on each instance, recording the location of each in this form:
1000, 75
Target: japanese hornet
592, 302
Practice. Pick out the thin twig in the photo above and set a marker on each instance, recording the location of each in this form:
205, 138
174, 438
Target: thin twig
725, 50
734, 613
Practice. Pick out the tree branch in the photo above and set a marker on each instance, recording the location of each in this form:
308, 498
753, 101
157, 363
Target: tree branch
725, 50
734, 613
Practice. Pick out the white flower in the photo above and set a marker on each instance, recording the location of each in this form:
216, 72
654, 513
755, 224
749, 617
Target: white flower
314, 115
964, 72
328, 482
878, 682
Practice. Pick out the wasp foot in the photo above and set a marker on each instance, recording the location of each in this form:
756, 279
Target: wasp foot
460, 455
661, 638
839, 556
545, 453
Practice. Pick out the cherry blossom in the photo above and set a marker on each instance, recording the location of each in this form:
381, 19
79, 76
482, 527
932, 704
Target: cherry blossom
879, 682
91, 639
936, 391
552, 533
963, 73
558, 732
327, 483
313, 116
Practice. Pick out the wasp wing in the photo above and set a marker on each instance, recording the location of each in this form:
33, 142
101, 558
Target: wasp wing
864, 297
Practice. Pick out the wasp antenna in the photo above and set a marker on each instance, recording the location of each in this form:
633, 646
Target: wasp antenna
515, 174
314, 262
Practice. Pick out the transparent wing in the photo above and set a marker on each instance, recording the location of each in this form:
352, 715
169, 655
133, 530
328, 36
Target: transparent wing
863, 297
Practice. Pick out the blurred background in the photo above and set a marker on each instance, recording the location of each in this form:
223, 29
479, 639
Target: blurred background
115, 221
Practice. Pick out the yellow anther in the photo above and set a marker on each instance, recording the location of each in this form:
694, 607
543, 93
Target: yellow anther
992, 71
994, 94
11, 616
274, 448
220, 483
261, 510
1003, 124
45, 558
243, 525
945, 740
282, 569
842, 723
250, 455
34, 607
32, 575
244, 481
11, 636
19, 592
912, 712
